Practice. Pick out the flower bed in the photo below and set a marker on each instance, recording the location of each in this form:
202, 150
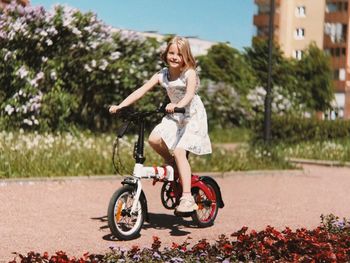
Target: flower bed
329, 242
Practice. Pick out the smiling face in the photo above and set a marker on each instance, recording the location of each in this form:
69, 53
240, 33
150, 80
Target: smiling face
174, 57
178, 54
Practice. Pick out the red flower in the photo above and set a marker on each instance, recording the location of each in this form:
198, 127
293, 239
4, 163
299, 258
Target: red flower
175, 245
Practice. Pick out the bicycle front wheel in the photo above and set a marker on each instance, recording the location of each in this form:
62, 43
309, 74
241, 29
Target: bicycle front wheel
123, 224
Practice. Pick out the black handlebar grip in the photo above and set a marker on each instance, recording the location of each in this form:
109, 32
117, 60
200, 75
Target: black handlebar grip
179, 110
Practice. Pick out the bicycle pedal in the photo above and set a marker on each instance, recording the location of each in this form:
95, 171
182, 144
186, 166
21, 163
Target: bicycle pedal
183, 214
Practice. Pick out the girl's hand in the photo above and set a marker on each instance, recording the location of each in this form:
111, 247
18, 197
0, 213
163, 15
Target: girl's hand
114, 108
170, 107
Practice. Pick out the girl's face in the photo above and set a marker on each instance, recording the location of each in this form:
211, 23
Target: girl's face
174, 57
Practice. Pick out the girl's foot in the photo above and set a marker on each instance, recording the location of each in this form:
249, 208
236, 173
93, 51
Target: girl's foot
187, 204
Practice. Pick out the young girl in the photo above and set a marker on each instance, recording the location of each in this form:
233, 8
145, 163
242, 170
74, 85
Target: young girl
178, 133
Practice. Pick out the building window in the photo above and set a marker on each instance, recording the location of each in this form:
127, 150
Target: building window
337, 6
298, 54
336, 74
339, 74
264, 9
336, 52
336, 31
262, 31
300, 11
342, 74
299, 33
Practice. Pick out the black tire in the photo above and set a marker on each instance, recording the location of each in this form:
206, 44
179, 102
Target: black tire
167, 196
207, 208
122, 224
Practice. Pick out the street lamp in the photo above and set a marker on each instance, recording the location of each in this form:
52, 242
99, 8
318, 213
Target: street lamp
268, 98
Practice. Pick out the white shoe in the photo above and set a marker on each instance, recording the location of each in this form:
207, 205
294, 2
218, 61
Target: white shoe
187, 204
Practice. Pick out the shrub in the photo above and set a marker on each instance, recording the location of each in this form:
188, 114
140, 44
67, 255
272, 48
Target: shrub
293, 129
65, 67
225, 107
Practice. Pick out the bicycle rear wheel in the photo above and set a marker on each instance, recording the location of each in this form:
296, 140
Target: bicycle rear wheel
123, 224
207, 210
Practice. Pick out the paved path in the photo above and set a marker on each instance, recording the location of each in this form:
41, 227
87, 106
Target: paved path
71, 215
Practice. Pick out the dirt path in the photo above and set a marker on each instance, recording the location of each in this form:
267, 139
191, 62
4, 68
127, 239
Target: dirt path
71, 215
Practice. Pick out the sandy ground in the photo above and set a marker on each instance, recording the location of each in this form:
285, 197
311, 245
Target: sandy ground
70, 215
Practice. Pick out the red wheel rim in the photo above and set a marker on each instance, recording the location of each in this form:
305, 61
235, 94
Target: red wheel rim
205, 213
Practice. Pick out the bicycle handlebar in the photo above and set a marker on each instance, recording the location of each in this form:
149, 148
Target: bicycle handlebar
127, 113
179, 110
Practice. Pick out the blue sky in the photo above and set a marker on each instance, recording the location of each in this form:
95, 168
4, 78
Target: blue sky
221, 20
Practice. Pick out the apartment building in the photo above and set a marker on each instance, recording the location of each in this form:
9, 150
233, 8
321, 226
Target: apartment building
325, 22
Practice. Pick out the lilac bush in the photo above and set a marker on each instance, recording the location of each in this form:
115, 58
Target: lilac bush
282, 101
63, 67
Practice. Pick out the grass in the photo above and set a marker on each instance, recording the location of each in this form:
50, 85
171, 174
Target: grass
49, 155
229, 135
331, 150
35, 155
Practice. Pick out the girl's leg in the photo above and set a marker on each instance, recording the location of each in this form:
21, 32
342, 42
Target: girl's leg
187, 203
184, 169
160, 147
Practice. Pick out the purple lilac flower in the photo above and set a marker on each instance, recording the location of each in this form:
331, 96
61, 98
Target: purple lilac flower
136, 257
176, 260
339, 224
156, 255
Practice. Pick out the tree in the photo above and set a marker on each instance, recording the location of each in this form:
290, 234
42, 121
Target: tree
284, 80
315, 78
226, 64
257, 56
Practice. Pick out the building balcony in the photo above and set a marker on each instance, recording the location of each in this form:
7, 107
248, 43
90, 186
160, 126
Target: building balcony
265, 37
264, 19
262, 2
329, 43
339, 85
338, 62
338, 17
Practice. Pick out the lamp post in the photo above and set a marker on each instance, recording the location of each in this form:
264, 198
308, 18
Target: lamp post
268, 98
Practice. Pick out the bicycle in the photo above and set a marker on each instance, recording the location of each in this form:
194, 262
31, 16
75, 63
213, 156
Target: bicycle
127, 209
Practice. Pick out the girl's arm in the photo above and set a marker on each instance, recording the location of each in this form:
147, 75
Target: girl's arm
190, 92
137, 94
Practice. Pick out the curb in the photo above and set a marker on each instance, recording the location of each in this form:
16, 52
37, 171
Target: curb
253, 173
60, 179
319, 162
120, 177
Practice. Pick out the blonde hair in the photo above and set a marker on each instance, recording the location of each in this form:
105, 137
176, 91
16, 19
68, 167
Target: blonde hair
184, 47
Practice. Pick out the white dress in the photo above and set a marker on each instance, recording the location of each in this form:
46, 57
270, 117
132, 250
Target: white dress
188, 131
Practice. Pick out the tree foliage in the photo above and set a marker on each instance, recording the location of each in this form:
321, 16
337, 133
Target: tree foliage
226, 64
315, 79
282, 68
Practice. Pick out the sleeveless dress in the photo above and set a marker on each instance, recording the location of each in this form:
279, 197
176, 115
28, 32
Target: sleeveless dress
188, 131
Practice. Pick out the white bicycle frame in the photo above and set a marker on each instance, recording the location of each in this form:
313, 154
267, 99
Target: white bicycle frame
157, 172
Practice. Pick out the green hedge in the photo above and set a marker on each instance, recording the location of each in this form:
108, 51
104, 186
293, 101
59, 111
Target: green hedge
293, 129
